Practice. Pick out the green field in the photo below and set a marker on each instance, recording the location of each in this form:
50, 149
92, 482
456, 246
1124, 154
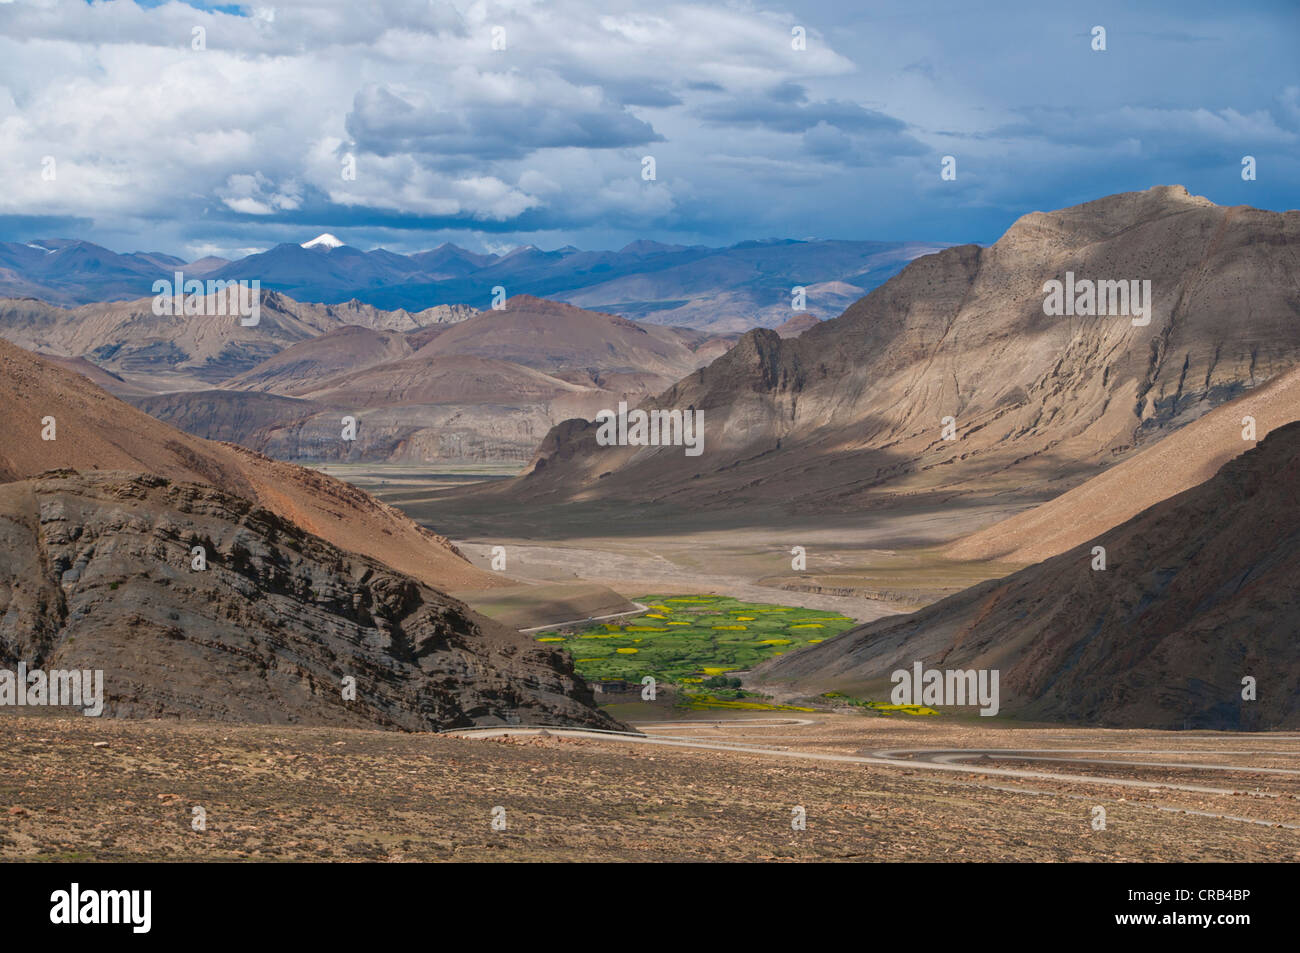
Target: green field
687, 640
882, 707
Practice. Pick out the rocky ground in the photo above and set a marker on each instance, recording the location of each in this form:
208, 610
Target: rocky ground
100, 789
1197, 600
98, 572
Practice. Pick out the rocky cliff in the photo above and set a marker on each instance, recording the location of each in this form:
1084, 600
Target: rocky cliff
1198, 593
854, 409
97, 571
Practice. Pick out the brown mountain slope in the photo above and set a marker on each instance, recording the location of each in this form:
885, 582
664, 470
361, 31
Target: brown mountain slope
427, 407
302, 366
1180, 461
1199, 592
443, 379
188, 352
97, 431
243, 417
797, 325
96, 572
485, 389
852, 410
115, 384
550, 336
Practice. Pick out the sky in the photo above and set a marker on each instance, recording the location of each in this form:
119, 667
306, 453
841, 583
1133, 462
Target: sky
199, 129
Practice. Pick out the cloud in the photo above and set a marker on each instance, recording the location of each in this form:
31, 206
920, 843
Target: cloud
780, 112
489, 116
256, 195
250, 139
1159, 129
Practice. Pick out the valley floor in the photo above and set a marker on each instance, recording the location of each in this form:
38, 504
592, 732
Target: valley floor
75, 788
865, 565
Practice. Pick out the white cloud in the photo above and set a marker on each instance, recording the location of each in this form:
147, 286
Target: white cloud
158, 143
441, 125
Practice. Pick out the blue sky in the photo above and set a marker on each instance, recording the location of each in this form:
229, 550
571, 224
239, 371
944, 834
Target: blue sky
242, 144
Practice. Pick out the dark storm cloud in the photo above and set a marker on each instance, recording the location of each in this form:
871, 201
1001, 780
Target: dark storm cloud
785, 109
544, 139
18, 228
386, 123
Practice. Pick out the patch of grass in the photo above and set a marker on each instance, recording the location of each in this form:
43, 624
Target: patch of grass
65, 857
880, 706
905, 709
714, 703
695, 637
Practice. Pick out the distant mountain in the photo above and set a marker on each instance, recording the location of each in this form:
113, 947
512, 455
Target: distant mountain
484, 389
187, 352
797, 325
747, 285
305, 580
449, 261
1198, 592
446, 383
69, 272
723, 289
96, 573
301, 367
1180, 461
555, 337
97, 431
324, 241
205, 266
852, 412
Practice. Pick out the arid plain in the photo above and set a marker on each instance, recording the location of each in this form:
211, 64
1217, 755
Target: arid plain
725, 788
926, 472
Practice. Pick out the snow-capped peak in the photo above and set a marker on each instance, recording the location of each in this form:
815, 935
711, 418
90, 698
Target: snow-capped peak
323, 241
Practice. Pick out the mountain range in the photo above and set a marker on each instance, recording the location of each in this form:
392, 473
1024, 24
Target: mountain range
1160, 431
94, 430
1197, 594
301, 581
721, 289
447, 383
951, 380
1184, 459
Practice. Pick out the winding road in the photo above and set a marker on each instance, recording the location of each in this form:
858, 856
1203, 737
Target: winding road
946, 760
595, 618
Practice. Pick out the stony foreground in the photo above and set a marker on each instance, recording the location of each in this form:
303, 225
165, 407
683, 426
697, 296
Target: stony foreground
75, 788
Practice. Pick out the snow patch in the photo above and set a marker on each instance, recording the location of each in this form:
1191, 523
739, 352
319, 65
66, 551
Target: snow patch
323, 241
